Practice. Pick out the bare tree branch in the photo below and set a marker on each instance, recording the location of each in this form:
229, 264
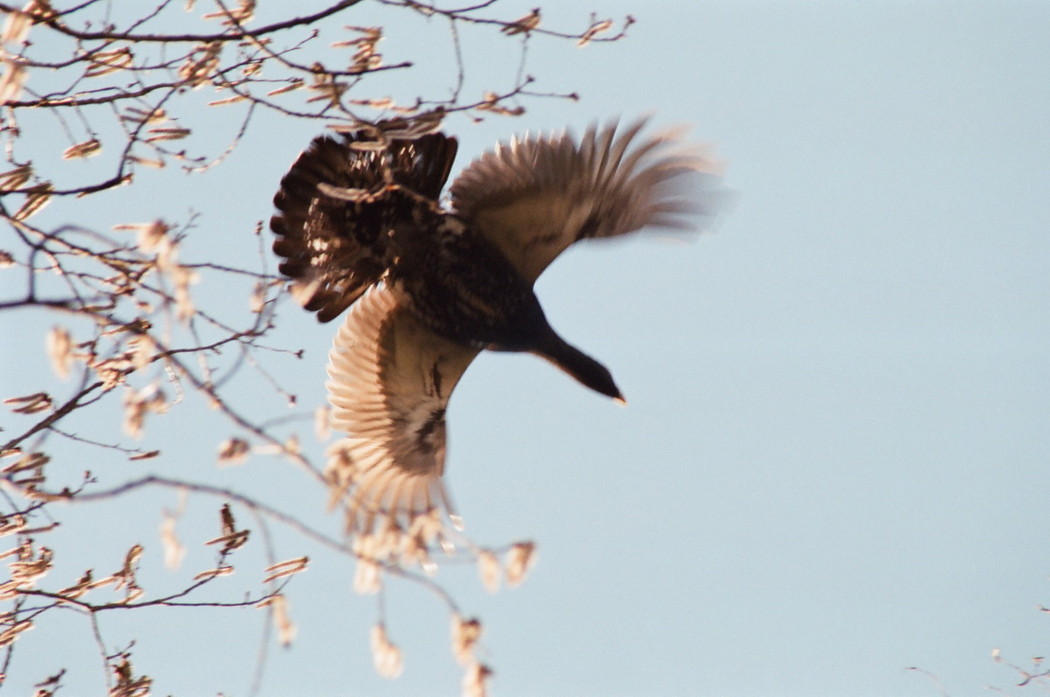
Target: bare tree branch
136, 326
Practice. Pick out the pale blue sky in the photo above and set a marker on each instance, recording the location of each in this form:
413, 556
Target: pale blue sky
832, 462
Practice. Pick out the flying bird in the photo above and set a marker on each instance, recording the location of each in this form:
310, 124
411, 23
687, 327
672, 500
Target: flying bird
361, 225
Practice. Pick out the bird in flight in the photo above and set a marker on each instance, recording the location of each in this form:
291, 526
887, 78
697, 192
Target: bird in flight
360, 224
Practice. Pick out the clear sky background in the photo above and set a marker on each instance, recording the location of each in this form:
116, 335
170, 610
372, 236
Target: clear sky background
833, 459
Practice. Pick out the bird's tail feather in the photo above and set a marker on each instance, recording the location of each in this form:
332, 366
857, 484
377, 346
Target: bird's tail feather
337, 204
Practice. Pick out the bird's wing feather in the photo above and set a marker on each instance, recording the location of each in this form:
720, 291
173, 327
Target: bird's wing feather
390, 379
536, 196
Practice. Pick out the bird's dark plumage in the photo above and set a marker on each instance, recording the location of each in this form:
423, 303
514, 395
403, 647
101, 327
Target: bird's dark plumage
339, 201
360, 225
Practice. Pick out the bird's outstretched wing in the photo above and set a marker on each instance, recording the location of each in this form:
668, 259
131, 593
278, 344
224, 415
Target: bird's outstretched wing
338, 203
537, 195
389, 383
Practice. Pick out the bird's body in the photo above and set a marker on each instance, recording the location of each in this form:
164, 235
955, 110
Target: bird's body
461, 287
360, 226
